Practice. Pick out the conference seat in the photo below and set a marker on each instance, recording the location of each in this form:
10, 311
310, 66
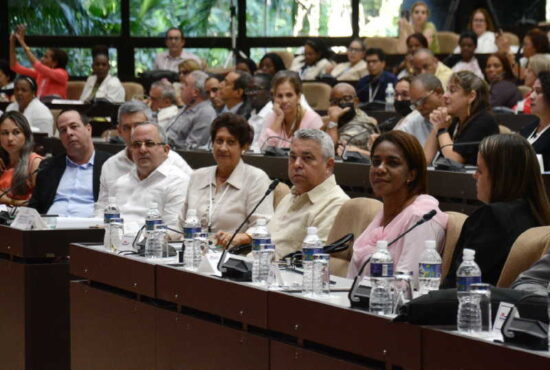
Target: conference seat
286, 56
354, 217
454, 227
504, 130
387, 44
448, 41
528, 248
132, 89
524, 90
74, 89
279, 193
317, 95
514, 39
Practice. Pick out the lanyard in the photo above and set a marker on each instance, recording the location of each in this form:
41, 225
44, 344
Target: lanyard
372, 94
214, 205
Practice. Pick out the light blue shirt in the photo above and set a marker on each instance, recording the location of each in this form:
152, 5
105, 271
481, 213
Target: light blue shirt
75, 193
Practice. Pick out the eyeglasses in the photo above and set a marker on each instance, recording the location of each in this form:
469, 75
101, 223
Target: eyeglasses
148, 144
343, 99
252, 91
355, 50
175, 38
184, 72
421, 101
214, 90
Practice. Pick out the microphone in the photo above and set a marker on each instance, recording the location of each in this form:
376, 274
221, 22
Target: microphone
360, 299
272, 187
272, 150
356, 157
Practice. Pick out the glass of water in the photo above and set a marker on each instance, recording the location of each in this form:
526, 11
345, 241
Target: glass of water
483, 290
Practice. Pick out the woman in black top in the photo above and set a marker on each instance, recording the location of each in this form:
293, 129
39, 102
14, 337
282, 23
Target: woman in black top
464, 120
538, 133
503, 91
509, 182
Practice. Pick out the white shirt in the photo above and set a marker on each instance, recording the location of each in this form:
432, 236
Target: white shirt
110, 89
415, 124
166, 185
39, 116
166, 115
166, 62
119, 165
486, 44
472, 66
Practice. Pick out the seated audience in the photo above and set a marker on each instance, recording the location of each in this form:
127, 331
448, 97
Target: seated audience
314, 62
348, 121
68, 185
212, 88
509, 183
162, 100
288, 113
232, 93
373, 86
18, 162
191, 126
464, 119
152, 179
537, 64
402, 105
535, 42
424, 61
355, 67
259, 95
315, 198
102, 85
504, 91
271, 63
468, 62
49, 72
426, 96
246, 65
418, 23
224, 194
130, 114
398, 175
537, 133
6, 81
415, 42
482, 25
169, 60
37, 114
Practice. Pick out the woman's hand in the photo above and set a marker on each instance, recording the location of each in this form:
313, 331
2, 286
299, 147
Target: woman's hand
279, 118
440, 118
503, 42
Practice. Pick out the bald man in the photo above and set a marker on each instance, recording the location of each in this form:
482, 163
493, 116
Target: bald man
424, 61
346, 120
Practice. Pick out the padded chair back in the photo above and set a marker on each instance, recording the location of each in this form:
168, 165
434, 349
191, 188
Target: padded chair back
132, 89
387, 44
279, 193
74, 89
454, 227
286, 56
514, 39
317, 95
504, 130
528, 248
524, 90
447, 41
354, 217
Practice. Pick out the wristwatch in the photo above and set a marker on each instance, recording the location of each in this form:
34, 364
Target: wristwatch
441, 131
332, 124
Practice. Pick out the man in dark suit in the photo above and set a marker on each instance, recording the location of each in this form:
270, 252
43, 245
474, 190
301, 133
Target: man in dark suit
68, 185
232, 93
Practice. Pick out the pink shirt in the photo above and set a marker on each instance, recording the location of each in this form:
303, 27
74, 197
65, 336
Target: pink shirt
310, 120
406, 251
50, 81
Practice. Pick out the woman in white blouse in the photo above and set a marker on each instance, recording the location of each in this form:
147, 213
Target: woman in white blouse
314, 62
355, 67
482, 25
101, 85
224, 194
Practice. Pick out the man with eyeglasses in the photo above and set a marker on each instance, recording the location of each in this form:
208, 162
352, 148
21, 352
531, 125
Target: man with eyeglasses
426, 96
152, 179
169, 60
163, 102
347, 121
68, 185
232, 93
373, 86
130, 114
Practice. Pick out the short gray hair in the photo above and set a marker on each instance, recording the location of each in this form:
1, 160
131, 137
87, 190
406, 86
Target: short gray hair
321, 137
424, 51
166, 88
135, 106
199, 78
428, 81
162, 132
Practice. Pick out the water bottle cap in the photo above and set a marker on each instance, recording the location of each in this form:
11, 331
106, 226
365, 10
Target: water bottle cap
191, 212
261, 222
469, 253
430, 244
390, 86
382, 244
311, 230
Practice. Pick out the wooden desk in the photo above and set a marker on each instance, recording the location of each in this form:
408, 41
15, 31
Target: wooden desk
34, 297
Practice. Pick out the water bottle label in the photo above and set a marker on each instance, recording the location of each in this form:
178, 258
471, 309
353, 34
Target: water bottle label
188, 232
107, 217
463, 282
429, 270
308, 253
257, 242
381, 269
150, 224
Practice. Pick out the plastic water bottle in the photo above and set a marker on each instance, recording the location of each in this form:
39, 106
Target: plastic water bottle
381, 272
429, 269
111, 211
260, 237
191, 227
390, 98
311, 246
469, 310
152, 218
156, 245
